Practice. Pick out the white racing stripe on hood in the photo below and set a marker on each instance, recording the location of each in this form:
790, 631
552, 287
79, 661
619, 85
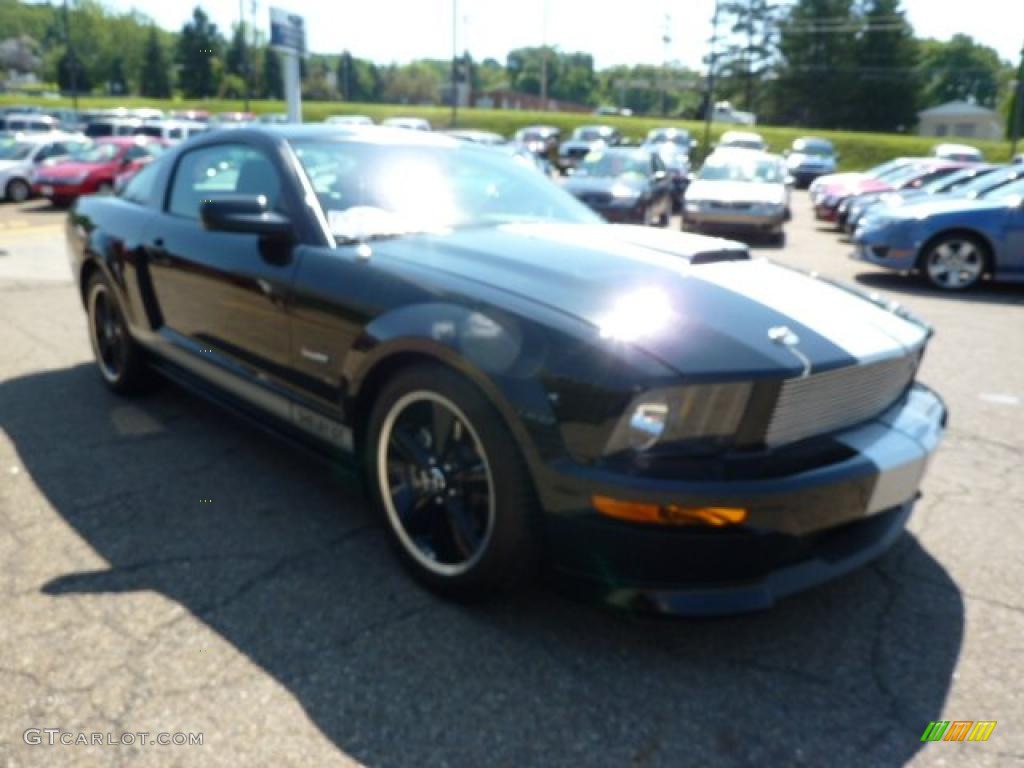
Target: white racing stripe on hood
857, 326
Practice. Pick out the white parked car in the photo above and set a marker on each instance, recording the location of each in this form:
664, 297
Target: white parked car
172, 131
739, 191
742, 140
961, 152
724, 113
349, 120
411, 123
30, 122
20, 155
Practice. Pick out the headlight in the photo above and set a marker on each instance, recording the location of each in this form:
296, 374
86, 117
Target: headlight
693, 206
769, 209
621, 191
701, 415
77, 179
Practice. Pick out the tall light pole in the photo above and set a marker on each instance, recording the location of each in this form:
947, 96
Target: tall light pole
1018, 114
72, 63
709, 92
455, 61
544, 55
245, 50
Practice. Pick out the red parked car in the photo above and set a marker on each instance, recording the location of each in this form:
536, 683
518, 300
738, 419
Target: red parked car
94, 168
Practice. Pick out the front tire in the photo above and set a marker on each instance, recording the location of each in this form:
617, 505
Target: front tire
954, 262
451, 484
120, 360
18, 191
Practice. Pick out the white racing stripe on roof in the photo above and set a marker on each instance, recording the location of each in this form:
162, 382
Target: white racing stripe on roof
857, 326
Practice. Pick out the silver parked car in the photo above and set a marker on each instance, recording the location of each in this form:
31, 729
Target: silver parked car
739, 190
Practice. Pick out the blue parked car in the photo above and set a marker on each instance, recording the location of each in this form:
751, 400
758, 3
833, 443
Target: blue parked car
952, 242
876, 202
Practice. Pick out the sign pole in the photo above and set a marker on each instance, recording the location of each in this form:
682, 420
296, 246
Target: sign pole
288, 37
292, 86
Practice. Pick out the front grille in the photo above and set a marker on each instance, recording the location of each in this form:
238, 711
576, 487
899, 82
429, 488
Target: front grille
578, 151
828, 401
732, 206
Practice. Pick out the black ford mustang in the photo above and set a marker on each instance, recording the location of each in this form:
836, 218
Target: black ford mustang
656, 417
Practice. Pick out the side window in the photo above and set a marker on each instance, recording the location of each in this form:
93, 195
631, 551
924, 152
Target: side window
657, 164
139, 188
222, 169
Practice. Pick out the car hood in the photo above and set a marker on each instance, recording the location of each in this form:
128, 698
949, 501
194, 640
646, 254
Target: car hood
699, 305
580, 144
736, 192
837, 180
580, 184
809, 161
10, 165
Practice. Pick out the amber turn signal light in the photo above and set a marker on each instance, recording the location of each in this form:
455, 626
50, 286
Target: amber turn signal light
667, 514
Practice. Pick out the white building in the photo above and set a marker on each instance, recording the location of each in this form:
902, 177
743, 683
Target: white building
960, 118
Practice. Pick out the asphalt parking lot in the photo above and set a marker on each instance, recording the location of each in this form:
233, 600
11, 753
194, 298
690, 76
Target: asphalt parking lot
167, 568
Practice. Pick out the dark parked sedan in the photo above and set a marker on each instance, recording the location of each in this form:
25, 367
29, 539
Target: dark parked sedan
625, 185
654, 417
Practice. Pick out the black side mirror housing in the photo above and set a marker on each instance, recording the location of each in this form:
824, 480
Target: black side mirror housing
247, 214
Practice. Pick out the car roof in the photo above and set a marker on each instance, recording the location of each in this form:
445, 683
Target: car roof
378, 134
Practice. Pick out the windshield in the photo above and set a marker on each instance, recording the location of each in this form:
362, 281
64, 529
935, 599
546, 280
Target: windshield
13, 150
372, 190
821, 149
95, 153
954, 181
989, 182
589, 134
1007, 191
615, 164
681, 138
736, 169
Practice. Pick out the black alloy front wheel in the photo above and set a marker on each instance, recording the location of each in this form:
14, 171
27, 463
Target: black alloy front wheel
451, 484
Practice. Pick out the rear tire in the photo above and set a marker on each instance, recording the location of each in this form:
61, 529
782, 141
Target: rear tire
120, 360
449, 480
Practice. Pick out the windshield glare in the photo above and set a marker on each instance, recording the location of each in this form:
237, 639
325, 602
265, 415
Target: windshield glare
813, 148
1007, 191
369, 190
95, 153
756, 170
13, 150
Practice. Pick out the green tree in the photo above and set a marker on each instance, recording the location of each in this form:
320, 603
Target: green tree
199, 50
746, 58
155, 76
888, 81
960, 70
1012, 107
82, 81
236, 60
817, 72
418, 82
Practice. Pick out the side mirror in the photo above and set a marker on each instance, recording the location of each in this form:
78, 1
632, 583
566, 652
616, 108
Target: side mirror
245, 214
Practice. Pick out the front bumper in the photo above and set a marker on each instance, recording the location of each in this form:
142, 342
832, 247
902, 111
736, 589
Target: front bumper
56, 190
881, 249
735, 221
802, 528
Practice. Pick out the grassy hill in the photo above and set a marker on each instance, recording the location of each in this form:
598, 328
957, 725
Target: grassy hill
857, 150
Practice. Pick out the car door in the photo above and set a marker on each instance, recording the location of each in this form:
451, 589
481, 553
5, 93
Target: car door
220, 295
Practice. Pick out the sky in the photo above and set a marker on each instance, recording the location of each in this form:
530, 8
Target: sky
615, 31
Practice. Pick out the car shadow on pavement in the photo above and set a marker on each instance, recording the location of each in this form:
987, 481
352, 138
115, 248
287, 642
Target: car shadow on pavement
987, 292
279, 557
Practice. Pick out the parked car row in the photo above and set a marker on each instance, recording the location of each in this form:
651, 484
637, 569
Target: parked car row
950, 218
